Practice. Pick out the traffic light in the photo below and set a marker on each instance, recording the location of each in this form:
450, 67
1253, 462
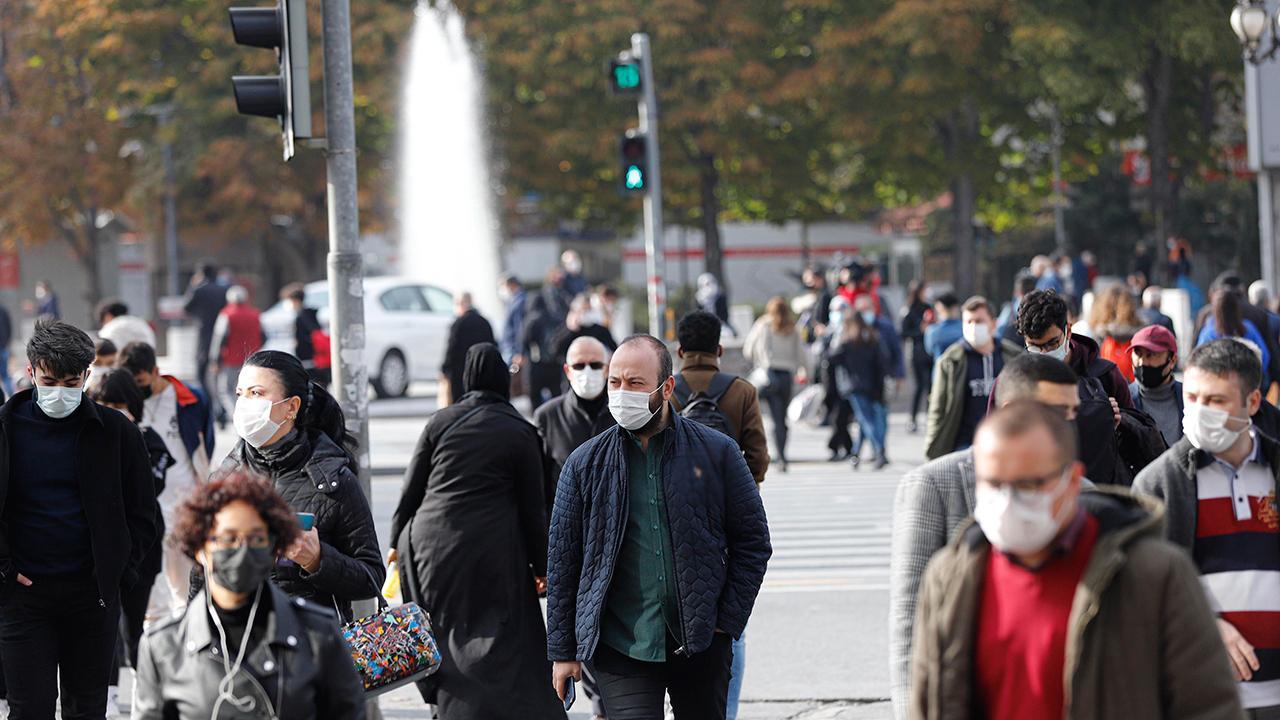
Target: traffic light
286, 96
625, 75
634, 153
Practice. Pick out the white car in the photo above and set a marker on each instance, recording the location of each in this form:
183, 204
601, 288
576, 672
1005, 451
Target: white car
406, 329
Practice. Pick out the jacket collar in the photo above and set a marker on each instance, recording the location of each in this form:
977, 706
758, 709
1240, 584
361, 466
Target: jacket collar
186, 396
283, 626
1191, 459
576, 404
699, 361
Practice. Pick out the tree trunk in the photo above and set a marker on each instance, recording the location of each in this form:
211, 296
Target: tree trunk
708, 184
1157, 84
88, 255
958, 132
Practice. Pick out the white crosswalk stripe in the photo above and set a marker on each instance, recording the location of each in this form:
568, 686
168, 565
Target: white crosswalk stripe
830, 530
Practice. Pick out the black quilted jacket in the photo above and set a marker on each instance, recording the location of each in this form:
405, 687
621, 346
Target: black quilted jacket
719, 536
313, 477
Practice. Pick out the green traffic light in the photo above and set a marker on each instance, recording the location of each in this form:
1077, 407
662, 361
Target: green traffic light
626, 76
634, 178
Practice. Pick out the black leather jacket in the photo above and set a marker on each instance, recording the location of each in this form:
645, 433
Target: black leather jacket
302, 655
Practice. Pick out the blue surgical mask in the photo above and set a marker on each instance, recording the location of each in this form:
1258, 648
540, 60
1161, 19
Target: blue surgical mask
869, 317
58, 402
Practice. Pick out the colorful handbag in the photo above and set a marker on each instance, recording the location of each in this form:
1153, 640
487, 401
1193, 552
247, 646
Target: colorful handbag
392, 647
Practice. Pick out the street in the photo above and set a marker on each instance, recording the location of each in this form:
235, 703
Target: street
818, 639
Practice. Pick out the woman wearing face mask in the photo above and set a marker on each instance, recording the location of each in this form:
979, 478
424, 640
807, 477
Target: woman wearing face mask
470, 533
243, 648
117, 390
861, 370
293, 432
774, 349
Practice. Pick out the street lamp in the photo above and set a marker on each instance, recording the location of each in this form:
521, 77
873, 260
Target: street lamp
1250, 20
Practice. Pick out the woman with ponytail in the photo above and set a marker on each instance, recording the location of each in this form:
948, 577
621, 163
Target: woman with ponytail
293, 432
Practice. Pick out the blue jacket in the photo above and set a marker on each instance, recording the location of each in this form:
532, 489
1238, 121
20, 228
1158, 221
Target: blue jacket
942, 335
719, 536
510, 341
195, 421
891, 343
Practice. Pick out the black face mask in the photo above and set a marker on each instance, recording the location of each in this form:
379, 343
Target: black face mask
241, 570
1151, 376
145, 390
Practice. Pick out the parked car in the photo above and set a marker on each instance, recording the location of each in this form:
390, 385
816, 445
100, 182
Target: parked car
406, 329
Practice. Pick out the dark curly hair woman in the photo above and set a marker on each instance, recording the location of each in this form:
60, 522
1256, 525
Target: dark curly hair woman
243, 648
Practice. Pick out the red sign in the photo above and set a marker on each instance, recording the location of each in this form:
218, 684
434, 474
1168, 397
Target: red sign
10, 271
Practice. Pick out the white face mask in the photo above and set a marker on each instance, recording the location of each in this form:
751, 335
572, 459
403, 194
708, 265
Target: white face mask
978, 335
630, 408
58, 402
1206, 427
1058, 353
253, 421
1019, 523
587, 383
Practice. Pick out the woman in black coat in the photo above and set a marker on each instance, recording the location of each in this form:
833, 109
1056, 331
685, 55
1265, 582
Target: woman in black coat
293, 432
471, 538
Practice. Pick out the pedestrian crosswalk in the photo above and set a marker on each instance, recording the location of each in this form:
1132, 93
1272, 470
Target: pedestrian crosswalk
830, 528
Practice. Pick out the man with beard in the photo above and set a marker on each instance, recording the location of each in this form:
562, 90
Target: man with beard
653, 603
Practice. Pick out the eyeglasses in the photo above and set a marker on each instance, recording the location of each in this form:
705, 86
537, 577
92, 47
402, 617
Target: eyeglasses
1049, 346
231, 541
596, 365
1026, 488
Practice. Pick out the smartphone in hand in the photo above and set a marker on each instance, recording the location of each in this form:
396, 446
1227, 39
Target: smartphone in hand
306, 520
570, 693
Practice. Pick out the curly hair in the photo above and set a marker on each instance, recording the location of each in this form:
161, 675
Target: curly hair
195, 519
1039, 311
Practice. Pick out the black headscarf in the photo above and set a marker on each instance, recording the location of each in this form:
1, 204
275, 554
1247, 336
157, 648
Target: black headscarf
486, 371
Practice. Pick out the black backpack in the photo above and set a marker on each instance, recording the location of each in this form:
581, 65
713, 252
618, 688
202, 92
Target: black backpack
704, 407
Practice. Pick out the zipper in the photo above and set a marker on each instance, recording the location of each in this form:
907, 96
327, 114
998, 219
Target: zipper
666, 513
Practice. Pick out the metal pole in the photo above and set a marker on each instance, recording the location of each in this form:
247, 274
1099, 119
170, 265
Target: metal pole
1059, 221
655, 253
346, 272
1267, 189
170, 208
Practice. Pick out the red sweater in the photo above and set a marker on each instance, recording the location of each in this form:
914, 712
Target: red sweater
1022, 630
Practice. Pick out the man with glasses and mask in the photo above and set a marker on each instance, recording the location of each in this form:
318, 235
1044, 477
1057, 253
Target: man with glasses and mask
79, 516
1154, 390
1043, 324
1052, 603
1219, 486
934, 499
658, 549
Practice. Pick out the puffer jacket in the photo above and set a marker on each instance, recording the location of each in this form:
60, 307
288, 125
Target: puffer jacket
719, 537
1141, 640
313, 476
303, 656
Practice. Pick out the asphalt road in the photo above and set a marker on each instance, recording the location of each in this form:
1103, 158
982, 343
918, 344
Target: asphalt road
818, 639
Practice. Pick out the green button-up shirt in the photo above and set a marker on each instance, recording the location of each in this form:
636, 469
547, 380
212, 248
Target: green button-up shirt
642, 605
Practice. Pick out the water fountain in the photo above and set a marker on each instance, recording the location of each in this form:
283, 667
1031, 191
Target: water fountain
448, 229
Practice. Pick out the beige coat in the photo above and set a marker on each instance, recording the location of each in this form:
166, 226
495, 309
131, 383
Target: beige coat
1141, 644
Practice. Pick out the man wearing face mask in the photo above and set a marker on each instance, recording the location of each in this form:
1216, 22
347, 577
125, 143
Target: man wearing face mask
583, 321
568, 421
1053, 603
181, 416
1219, 486
653, 602
79, 516
1043, 324
964, 379
1155, 392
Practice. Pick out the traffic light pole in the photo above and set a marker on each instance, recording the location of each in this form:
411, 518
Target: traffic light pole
346, 264
655, 253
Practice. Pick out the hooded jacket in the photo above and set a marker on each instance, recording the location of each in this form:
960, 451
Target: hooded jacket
1141, 641
946, 400
195, 425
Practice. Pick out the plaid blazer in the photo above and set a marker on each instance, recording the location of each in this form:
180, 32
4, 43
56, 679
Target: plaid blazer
930, 503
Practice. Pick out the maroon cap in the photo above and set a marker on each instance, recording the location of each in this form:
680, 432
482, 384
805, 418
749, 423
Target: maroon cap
1155, 338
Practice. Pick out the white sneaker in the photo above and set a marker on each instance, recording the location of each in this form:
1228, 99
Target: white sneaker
4, 710
113, 709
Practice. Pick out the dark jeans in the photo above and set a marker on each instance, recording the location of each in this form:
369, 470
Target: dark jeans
58, 624
922, 374
133, 611
777, 395
872, 422
635, 690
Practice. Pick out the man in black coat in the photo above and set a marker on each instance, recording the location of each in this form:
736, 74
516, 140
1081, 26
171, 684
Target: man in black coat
204, 303
469, 329
77, 517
